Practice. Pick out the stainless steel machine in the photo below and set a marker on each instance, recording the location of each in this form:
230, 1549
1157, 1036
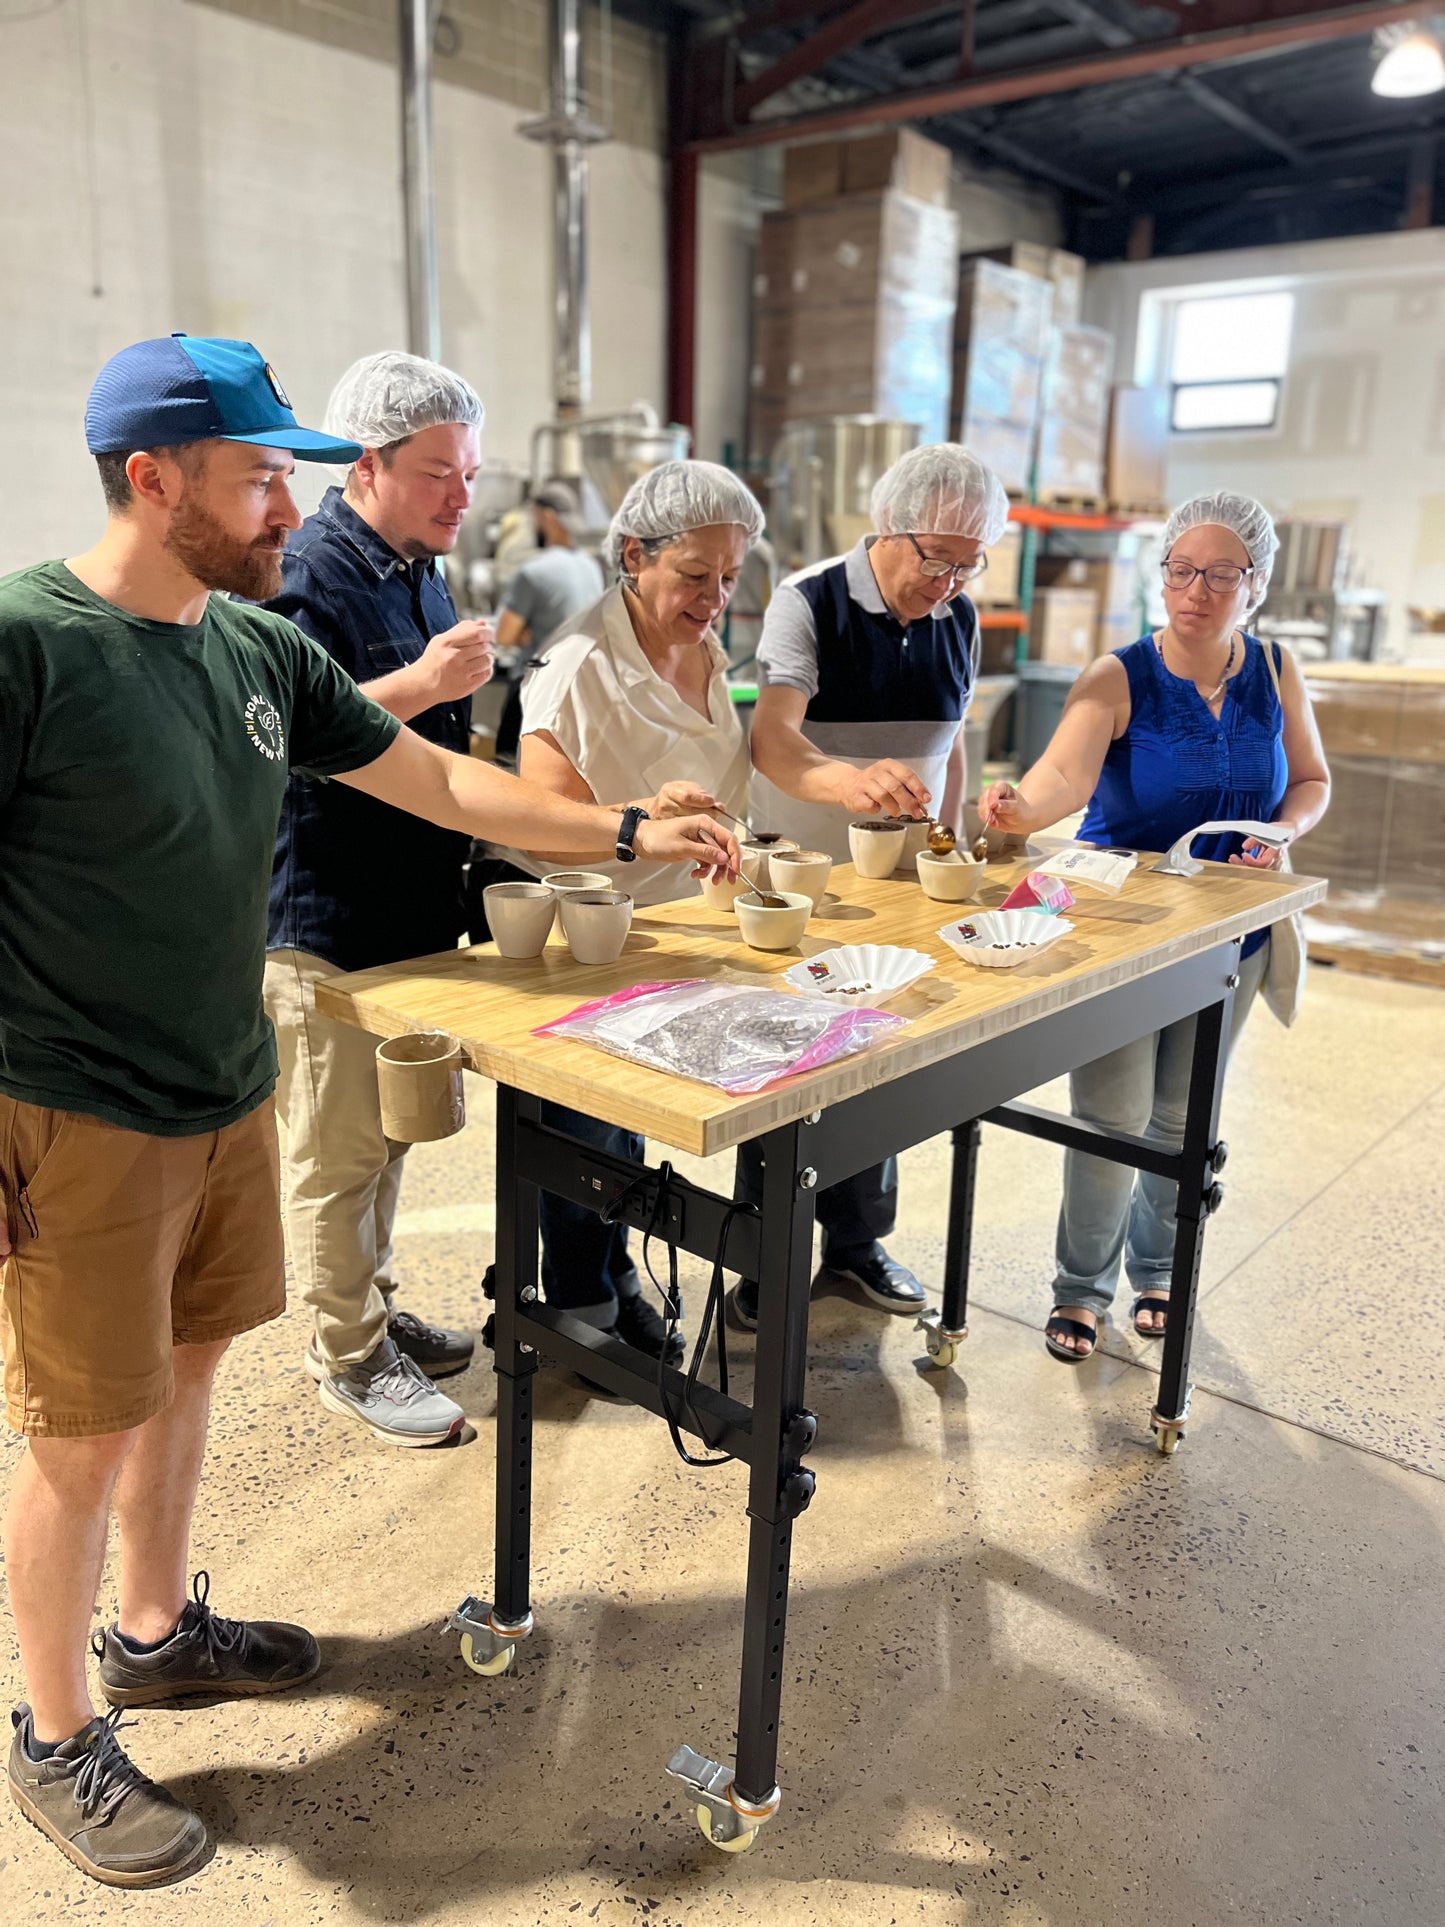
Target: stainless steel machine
822, 476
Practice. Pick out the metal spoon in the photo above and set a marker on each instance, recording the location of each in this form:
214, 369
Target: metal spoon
765, 899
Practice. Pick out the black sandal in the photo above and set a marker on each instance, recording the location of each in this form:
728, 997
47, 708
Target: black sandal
1154, 1303
1072, 1328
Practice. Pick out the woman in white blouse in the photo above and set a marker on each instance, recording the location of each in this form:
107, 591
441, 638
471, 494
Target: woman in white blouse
633, 707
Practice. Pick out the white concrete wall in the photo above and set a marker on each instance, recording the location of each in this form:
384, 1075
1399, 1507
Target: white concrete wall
1361, 435
175, 166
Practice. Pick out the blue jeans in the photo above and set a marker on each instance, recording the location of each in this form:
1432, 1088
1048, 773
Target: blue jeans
1110, 1212
585, 1266
854, 1213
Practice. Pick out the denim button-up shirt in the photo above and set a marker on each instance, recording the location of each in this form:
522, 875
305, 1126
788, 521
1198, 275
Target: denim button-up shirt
356, 881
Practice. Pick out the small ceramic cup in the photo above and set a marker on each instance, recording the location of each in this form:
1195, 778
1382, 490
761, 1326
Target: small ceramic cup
520, 916
758, 853
769, 929
804, 873
720, 893
419, 1081
876, 843
568, 882
595, 924
915, 842
954, 878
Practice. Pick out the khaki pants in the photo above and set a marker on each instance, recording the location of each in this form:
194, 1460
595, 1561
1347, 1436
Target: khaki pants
340, 1173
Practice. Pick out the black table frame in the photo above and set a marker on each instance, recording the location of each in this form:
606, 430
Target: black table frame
956, 1094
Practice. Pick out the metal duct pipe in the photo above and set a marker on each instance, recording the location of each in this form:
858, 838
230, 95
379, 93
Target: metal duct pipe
569, 132
423, 318
572, 339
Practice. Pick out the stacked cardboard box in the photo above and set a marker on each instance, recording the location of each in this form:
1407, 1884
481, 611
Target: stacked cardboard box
1001, 340
1135, 472
897, 158
1382, 840
1074, 418
853, 314
1062, 626
1114, 583
1064, 273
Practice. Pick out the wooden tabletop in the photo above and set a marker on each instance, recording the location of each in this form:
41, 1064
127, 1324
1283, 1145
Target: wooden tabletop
493, 1006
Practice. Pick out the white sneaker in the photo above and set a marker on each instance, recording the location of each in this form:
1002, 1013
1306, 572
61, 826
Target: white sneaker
394, 1398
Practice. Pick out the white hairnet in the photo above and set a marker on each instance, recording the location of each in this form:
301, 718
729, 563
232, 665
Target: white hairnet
384, 398
940, 490
1251, 521
677, 496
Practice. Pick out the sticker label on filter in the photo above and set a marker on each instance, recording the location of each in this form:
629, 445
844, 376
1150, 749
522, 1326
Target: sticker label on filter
820, 973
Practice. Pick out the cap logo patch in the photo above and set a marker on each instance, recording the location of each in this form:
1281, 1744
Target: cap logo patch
276, 389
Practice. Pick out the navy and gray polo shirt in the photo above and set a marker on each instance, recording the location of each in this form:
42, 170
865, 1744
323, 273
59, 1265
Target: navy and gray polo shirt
875, 688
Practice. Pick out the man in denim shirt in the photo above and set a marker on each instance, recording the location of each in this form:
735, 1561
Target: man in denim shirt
357, 883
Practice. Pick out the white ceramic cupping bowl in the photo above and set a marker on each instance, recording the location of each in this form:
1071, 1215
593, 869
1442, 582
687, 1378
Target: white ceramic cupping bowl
802, 873
520, 917
595, 924
720, 893
567, 882
768, 929
876, 845
954, 878
757, 859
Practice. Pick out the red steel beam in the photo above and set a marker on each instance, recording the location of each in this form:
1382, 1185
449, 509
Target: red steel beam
834, 37
1062, 77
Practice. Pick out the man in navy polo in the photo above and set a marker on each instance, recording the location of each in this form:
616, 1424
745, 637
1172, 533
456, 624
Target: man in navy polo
357, 883
866, 669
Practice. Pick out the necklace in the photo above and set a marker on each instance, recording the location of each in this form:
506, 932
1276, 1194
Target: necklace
1218, 689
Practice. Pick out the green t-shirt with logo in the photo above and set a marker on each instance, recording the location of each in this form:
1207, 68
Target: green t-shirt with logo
142, 769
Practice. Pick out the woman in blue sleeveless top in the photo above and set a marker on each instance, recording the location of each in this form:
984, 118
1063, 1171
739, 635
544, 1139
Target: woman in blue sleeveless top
1191, 725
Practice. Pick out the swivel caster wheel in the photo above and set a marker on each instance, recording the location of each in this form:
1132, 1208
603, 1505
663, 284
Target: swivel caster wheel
487, 1647
739, 1843
477, 1658
1167, 1438
939, 1342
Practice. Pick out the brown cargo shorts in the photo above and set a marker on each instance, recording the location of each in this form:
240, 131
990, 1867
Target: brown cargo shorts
122, 1246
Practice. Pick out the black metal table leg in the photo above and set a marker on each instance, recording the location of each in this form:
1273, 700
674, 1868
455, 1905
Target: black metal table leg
944, 1331
1199, 1196
779, 1488
490, 1629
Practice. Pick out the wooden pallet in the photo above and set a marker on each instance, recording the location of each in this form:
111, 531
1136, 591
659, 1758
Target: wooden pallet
1139, 511
1405, 966
1074, 504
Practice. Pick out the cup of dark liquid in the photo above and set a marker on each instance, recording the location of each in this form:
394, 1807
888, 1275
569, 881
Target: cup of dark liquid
877, 844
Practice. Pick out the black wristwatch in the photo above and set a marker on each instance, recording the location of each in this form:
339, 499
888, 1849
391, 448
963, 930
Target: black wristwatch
631, 817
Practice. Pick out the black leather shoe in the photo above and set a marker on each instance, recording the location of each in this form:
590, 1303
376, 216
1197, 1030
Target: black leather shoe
641, 1325
439, 1352
882, 1281
742, 1304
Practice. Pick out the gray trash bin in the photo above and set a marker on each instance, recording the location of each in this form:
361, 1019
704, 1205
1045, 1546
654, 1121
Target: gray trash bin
1042, 692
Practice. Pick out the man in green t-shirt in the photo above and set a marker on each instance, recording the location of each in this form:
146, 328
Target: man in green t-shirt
148, 728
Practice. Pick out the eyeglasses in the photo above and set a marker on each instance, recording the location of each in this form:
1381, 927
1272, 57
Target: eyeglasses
938, 571
1222, 577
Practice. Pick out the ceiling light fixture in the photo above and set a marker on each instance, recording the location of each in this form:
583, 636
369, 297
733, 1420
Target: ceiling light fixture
1409, 62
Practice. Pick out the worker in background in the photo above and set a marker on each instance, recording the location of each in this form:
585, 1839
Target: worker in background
548, 589
150, 725
866, 668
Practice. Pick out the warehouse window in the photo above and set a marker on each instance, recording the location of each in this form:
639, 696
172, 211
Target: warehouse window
1229, 357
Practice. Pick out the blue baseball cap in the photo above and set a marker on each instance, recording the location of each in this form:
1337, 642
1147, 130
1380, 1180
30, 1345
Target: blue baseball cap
198, 388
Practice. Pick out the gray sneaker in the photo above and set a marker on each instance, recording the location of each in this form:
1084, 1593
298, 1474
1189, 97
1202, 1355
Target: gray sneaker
100, 1810
393, 1396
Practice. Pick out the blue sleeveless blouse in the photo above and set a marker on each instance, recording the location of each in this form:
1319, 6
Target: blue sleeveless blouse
1177, 764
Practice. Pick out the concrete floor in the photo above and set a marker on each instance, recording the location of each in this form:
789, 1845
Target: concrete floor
1037, 1675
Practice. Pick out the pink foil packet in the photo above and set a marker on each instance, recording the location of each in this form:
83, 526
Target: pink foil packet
1039, 892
